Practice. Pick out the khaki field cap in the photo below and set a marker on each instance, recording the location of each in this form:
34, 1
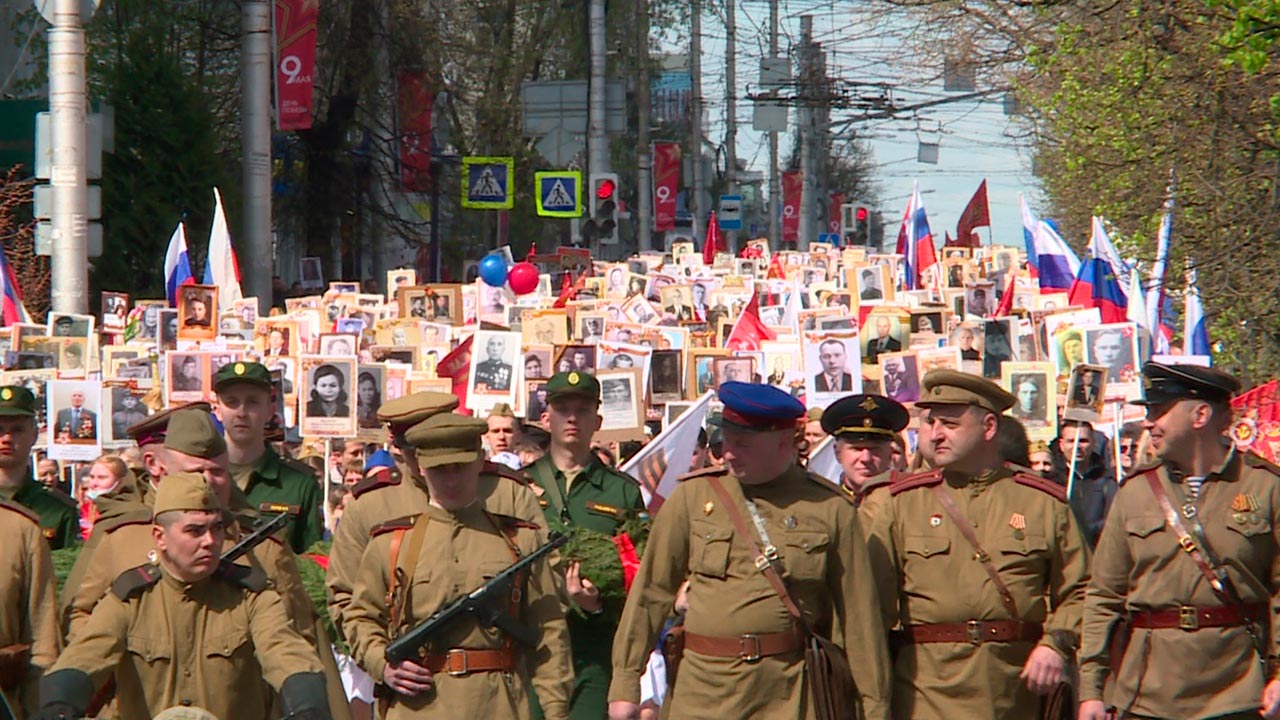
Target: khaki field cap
192, 432
185, 491
447, 439
405, 412
952, 387
153, 429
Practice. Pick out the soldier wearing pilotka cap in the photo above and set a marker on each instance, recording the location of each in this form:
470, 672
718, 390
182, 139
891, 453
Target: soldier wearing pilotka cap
1161, 638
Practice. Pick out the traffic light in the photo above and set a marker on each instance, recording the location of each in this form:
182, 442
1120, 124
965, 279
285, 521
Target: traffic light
856, 220
602, 225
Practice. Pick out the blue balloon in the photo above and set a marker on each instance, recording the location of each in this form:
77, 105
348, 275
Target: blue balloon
493, 270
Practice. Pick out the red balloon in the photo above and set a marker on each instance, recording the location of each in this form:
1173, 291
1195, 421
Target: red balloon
523, 278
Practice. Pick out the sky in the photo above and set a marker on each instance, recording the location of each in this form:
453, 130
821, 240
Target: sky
864, 45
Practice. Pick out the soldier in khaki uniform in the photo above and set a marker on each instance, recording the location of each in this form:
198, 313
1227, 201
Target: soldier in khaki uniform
224, 630
244, 407
743, 652
437, 556
865, 427
390, 494
29, 636
1189, 654
980, 633
59, 518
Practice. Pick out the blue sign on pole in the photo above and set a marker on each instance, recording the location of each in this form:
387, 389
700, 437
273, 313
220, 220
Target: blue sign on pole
831, 238
730, 215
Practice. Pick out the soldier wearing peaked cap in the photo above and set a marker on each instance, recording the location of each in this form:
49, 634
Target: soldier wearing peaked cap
732, 532
386, 494
980, 568
245, 407
59, 519
864, 427
224, 629
1161, 640
472, 671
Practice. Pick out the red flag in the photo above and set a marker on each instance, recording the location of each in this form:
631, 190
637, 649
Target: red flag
569, 291
457, 365
711, 245
775, 269
750, 329
976, 214
1006, 300
948, 241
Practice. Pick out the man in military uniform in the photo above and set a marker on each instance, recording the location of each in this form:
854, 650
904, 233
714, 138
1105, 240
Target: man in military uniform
473, 671
387, 494
1203, 509
576, 489
29, 636
981, 570
743, 649
59, 519
225, 629
494, 373
865, 426
244, 407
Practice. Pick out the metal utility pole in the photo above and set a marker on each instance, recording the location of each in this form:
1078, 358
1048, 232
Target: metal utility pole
67, 106
644, 156
775, 177
255, 146
731, 112
597, 141
808, 188
695, 125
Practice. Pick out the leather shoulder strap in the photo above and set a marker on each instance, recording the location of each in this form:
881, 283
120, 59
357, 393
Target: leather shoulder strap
402, 579
918, 480
1185, 540
547, 479
962, 523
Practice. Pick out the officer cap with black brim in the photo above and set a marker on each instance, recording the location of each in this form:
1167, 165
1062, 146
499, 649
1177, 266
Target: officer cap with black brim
1163, 384
865, 417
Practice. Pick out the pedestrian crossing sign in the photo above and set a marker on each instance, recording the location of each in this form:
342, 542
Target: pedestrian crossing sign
486, 182
559, 193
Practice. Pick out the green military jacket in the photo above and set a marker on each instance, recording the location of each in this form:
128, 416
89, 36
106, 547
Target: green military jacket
287, 482
59, 517
600, 499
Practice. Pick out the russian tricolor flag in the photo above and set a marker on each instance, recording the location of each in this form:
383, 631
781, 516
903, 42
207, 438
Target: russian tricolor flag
177, 265
221, 267
1159, 304
915, 244
1100, 281
13, 311
1195, 332
1052, 261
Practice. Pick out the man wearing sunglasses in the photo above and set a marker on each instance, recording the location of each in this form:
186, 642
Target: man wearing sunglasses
1185, 570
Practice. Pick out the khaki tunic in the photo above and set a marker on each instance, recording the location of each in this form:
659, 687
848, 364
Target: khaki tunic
27, 614
209, 644
460, 551
124, 506
870, 498
376, 502
827, 572
928, 573
1138, 565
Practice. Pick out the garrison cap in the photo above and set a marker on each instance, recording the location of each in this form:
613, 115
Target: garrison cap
865, 417
573, 384
17, 400
501, 410
192, 432
185, 491
153, 428
446, 439
405, 412
249, 373
952, 387
751, 406
813, 414
1166, 383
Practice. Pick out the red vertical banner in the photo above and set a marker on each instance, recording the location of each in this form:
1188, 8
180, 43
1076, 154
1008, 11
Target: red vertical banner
414, 101
666, 182
834, 212
295, 34
791, 188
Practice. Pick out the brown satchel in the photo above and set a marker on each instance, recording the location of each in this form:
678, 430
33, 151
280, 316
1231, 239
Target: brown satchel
832, 691
14, 660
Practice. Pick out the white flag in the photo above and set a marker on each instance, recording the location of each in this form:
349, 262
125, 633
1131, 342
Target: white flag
220, 267
823, 463
669, 456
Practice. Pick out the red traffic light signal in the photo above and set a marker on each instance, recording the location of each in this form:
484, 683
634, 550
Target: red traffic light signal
861, 214
605, 189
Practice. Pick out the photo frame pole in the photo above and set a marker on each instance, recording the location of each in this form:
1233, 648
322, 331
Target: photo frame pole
1071, 469
1117, 415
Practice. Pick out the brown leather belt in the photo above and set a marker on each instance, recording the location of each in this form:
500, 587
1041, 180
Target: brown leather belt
463, 661
746, 647
1191, 618
974, 631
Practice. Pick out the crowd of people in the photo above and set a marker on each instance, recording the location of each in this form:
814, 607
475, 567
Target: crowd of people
827, 494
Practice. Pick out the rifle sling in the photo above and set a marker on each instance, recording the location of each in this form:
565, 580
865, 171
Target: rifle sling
548, 481
962, 523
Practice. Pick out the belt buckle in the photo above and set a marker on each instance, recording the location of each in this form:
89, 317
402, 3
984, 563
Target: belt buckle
1187, 618
749, 655
974, 629
466, 667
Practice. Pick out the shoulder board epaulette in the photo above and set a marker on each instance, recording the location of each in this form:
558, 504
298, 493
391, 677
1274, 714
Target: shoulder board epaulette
493, 468
135, 580
298, 466
1048, 487
382, 478
63, 498
21, 510
704, 472
141, 516
918, 480
249, 577
1257, 461
515, 522
277, 508
400, 523
827, 484
1015, 468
